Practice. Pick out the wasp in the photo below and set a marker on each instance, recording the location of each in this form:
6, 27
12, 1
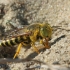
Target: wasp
35, 32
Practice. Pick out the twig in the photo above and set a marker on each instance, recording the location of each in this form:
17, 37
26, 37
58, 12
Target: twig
5, 61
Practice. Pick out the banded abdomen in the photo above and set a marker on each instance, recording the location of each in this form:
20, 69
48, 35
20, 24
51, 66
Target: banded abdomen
15, 41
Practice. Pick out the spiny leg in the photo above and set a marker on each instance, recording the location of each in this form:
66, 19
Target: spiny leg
18, 50
34, 47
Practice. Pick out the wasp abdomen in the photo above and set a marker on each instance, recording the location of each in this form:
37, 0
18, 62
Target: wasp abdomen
14, 41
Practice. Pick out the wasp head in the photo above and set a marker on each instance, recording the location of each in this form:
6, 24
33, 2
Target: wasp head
45, 31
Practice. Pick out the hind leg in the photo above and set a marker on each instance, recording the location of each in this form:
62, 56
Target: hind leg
18, 50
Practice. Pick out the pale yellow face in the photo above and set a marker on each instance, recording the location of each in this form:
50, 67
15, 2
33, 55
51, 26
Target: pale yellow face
45, 30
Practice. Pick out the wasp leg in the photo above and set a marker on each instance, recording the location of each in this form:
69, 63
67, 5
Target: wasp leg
46, 44
34, 47
18, 50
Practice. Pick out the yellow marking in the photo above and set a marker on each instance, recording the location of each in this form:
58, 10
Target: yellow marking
41, 41
7, 40
1, 44
19, 38
24, 37
33, 37
13, 39
9, 43
4, 43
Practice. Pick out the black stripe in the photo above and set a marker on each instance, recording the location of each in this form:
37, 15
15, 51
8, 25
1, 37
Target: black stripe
3, 44
22, 39
39, 37
27, 41
12, 43
7, 44
16, 40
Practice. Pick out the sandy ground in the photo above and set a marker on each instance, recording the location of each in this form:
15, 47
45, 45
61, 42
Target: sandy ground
57, 14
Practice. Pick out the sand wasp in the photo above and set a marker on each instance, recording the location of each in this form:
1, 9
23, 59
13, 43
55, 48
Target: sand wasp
35, 32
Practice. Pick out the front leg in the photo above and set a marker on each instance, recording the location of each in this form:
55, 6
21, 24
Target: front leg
35, 48
45, 43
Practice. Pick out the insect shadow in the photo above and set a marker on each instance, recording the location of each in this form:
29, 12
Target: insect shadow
57, 39
34, 54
